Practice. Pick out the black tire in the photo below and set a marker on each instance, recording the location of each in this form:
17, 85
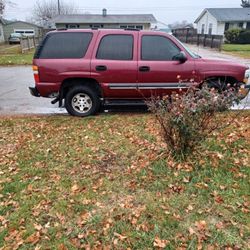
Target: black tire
221, 84
82, 101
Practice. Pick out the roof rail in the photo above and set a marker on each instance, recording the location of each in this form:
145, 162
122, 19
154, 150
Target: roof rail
62, 29
132, 29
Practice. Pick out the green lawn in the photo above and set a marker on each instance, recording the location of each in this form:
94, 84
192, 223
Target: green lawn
242, 50
12, 55
106, 182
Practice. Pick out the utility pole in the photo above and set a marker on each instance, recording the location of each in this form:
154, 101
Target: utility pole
59, 7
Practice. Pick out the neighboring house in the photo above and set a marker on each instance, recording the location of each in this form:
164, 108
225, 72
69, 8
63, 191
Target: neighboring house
21, 27
215, 21
1, 31
136, 21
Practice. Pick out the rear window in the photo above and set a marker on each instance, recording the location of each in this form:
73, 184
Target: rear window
64, 45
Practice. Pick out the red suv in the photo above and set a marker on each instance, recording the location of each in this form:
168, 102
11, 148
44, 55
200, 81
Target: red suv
91, 68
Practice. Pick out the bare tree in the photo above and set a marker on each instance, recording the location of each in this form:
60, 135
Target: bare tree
245, 3
44, 11
3, 4
182, 24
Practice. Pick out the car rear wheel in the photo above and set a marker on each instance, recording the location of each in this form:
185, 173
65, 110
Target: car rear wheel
82, 101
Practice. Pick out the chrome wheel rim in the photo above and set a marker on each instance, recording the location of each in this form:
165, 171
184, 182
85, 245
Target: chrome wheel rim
81, 103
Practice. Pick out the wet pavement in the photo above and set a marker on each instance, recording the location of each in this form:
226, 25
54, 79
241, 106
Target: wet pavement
15, 97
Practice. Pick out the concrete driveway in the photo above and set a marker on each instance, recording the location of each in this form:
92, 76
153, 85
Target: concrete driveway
16, 99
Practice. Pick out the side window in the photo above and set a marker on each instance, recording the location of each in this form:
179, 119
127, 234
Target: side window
116, 47
65, 45
203, 29
210, 29
158, 48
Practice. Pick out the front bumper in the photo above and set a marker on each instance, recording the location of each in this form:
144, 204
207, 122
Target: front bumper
34, 91
244, 90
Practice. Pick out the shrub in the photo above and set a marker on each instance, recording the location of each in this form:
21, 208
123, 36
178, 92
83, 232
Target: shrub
187, 119
232, 35
244, 37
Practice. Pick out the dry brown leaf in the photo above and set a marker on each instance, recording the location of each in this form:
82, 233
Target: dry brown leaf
120, 237
160, 243
219, 225
191, 231
74, 188
34, 238
62, 247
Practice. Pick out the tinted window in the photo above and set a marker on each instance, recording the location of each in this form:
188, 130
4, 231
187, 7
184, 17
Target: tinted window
65, 45
158, 48
116, 47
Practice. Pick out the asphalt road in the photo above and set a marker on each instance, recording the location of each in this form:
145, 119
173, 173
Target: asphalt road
16, 99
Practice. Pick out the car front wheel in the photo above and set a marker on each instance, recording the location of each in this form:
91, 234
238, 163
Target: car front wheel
82, 101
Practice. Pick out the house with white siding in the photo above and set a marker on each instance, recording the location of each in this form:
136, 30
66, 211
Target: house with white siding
1, 31
215, 21
104, 20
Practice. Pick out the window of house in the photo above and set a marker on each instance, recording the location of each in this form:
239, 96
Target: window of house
139, 27
248, 26
65, 45
116, 47
210, 29
96, 26
203, 29
227, 26
158, 48
241, 25
72, 26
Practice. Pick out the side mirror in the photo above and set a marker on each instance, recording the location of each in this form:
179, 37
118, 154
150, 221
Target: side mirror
181, 57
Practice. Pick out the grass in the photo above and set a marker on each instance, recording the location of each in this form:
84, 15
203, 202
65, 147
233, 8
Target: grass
106, 181
12, 55
242, 50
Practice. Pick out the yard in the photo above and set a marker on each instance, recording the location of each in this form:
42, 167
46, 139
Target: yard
241, 50
105, 182
12, 55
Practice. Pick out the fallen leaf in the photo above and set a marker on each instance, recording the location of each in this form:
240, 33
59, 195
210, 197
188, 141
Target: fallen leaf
160, 243
121, 237
74, 188
33, 239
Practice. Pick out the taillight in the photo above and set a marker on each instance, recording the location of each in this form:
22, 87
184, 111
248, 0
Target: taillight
36, 74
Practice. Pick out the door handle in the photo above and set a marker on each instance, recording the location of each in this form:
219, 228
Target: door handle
144, 68
101, 68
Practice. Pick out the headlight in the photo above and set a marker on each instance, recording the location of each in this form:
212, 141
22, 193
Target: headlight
247, 75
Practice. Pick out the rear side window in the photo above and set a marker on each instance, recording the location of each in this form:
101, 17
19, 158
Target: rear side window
65, 45
158, 48
116, 47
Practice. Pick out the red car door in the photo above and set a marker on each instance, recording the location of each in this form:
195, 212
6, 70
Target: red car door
159, 72
114, 63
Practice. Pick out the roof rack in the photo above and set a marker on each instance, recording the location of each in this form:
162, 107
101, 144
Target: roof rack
132, 29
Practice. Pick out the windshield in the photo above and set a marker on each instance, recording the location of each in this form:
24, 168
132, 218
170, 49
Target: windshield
191, 53
15, 35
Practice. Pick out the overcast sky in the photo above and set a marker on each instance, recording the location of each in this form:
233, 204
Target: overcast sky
166, 11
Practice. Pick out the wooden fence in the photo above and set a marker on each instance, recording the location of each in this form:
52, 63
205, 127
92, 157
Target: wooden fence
28, 43
190, 35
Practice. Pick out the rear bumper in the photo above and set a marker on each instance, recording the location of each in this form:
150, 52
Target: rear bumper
34, 91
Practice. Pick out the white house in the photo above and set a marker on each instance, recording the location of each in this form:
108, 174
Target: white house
215, 21
104, 20
1, 31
